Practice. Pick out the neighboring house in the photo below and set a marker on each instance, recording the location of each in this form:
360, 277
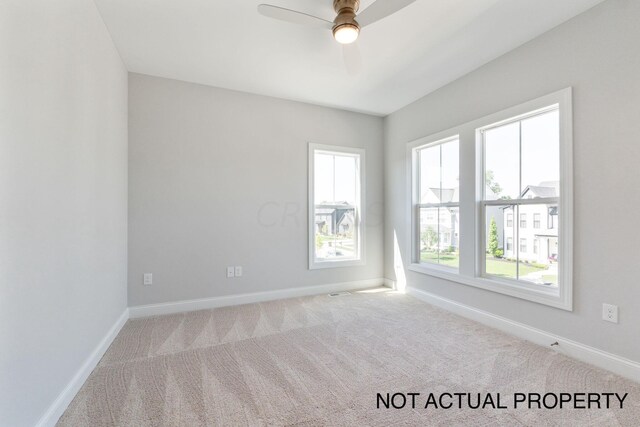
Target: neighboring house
537, 226
332, 219
447, 228
449, 224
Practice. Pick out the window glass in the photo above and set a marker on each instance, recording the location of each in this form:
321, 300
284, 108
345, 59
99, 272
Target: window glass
336, 205
502, 154
522, 164
541, 155
438, 212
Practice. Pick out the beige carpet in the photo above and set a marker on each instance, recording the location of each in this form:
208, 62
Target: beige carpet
320, 361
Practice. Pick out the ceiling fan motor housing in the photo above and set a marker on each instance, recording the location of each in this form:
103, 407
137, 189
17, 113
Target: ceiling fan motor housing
346, 10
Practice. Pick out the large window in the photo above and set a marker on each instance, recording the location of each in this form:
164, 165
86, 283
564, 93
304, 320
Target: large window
478, 217
522, 159
437, 203
335, 206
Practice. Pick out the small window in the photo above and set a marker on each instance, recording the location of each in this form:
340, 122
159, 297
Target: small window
523, 220
535, 246
436, 218
335, 206
510, 220
509, 244
523, 245
536, 220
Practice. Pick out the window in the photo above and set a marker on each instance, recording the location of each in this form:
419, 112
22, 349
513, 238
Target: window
436, 218
336, 179
523, 245
514, 167
523, 155
523, 220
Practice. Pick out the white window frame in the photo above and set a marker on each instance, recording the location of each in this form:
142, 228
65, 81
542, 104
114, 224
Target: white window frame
415, 148
472, 225
360, 208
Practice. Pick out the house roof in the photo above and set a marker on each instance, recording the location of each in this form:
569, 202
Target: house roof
543, 190
446, 195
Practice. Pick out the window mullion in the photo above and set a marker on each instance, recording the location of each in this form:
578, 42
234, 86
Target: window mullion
514, 202
517, 219
440, 198
516, 243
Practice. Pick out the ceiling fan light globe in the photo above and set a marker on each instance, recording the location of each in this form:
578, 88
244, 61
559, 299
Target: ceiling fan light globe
346, 33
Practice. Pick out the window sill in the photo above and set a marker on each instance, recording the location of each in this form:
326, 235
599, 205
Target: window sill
552, 297
317, 265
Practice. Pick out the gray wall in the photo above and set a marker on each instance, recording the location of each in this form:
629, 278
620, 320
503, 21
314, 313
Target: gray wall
599, 55
63, 197
219, 178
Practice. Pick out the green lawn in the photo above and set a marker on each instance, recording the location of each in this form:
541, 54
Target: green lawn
495, 267
449, 259
342, 245
504, 268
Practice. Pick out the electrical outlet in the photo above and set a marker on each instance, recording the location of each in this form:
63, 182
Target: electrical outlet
147, 279
610, 313
238, 271
231, 272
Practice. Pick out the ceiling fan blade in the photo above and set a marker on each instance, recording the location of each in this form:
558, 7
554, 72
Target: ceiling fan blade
352, 58
381, 9
293, 16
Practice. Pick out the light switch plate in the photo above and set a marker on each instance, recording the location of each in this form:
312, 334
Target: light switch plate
147, 279
238, 271
231, 272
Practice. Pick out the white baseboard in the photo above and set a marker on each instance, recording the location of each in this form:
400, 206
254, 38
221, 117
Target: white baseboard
616, 364
230, 300
57, 408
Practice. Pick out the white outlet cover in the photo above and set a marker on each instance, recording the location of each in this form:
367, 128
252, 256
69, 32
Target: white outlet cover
231, 272
610, 313
147, 279
238, 271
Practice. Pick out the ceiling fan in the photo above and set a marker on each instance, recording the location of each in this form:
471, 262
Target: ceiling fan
347, 24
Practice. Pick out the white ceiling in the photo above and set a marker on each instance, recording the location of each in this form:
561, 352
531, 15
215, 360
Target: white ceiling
405, 56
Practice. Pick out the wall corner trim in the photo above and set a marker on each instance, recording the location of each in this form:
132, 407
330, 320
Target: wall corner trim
607, 361
57, 408
390, 283
239, 299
